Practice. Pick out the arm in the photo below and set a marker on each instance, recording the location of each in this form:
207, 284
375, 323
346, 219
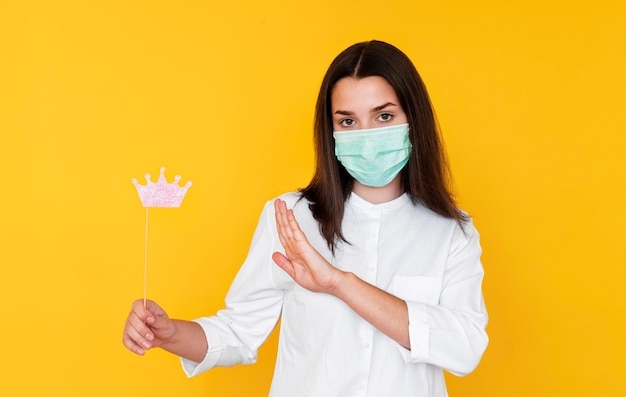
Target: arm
384, 311
449, 332
234, 334
308, 268
149, 327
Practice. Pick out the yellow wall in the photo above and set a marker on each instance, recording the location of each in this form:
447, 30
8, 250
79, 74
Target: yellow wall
530, 97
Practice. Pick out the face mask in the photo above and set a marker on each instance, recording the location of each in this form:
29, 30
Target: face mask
374, 156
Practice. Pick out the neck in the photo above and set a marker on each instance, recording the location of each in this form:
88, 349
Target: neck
379, 195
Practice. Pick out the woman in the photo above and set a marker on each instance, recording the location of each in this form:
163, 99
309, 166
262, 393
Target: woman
374, 269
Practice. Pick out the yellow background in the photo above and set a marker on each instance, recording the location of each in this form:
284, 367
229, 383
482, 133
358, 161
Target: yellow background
530, 97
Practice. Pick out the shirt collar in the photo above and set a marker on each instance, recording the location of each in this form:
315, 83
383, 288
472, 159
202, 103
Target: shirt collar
392, 205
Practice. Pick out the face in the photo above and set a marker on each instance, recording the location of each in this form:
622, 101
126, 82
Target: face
365, 103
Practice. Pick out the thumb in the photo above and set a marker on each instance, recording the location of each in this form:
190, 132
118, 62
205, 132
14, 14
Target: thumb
283, 262
158, 321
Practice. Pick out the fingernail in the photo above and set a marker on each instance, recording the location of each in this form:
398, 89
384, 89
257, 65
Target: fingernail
149, 336
150, 320
146, 344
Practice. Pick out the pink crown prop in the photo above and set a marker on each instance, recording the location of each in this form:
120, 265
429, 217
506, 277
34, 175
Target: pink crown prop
161, 194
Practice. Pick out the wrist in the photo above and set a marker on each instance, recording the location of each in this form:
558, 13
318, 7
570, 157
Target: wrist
340, 284
187, 340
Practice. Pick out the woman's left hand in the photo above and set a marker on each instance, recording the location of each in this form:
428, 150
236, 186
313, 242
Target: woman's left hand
301, 261
311, 271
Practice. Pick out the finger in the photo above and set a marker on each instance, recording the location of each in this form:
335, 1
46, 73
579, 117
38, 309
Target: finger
132, 346
142, 311
281, 218
132, 338
279, 222
139, 327
137, 339
282, 223
294, 226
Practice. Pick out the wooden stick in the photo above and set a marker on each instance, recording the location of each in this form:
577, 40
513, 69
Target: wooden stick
145, 264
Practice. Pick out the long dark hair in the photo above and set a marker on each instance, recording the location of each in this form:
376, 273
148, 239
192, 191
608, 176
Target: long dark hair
426, 176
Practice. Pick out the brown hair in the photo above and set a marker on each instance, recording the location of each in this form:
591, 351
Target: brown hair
426, 176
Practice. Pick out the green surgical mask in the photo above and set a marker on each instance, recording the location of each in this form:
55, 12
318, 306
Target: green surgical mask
374, 156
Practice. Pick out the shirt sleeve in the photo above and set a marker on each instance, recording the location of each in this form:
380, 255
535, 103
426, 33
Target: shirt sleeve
452, 335
253, 306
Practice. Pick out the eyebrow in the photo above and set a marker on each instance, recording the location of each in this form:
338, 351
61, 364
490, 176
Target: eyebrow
374, 109
381, 107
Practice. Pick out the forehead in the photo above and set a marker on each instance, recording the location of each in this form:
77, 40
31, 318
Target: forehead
367, 92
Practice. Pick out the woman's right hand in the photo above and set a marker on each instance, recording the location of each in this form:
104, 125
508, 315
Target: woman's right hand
147, 327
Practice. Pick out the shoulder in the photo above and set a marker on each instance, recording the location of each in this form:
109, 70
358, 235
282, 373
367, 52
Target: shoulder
462, 230
293, 200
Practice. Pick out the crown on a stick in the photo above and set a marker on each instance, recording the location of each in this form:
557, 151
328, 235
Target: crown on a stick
161, 194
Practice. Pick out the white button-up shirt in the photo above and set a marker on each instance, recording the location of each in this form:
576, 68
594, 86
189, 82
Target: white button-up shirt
325, 348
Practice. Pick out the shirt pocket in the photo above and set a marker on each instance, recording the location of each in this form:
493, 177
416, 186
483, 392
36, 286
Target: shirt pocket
417, 289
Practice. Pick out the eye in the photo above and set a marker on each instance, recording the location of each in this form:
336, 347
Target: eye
385, 117
347, 122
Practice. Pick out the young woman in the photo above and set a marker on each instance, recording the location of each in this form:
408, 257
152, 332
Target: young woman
375, 271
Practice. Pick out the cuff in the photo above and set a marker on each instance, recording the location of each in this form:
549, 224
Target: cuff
192, 368
419, 334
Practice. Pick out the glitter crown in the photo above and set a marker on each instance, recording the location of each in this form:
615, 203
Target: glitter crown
161, 194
